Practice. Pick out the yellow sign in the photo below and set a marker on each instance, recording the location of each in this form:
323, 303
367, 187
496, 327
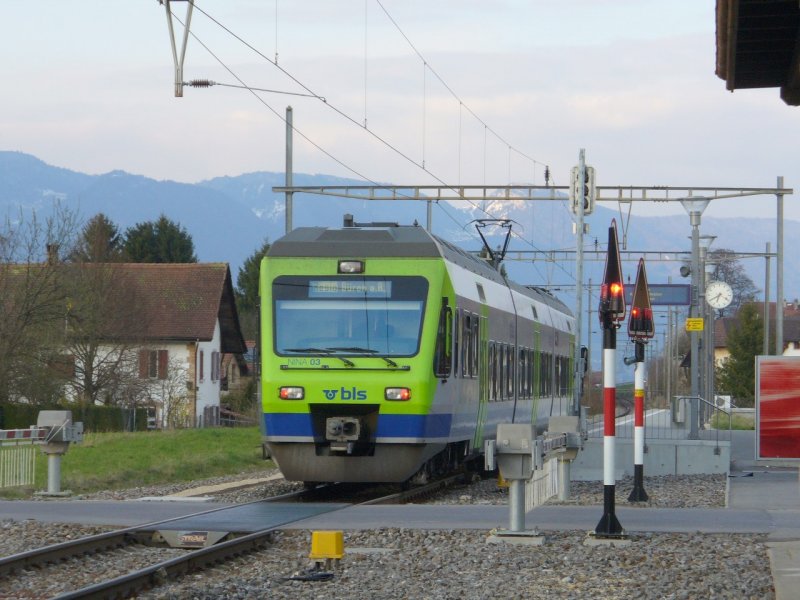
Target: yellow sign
694, 324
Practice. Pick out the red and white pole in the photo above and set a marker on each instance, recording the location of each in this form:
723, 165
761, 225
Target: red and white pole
638, 494
611, 311
609, 526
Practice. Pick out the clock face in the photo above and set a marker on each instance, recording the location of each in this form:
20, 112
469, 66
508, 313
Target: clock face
719, 294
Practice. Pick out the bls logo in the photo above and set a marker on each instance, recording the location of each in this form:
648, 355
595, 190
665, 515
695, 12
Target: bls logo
346, 394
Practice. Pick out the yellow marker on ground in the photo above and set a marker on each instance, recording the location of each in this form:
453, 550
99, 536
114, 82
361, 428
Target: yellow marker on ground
326, 545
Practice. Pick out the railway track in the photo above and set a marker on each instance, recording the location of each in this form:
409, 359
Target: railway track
133, 541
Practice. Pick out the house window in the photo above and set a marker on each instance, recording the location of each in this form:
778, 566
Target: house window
214, 365
153, 364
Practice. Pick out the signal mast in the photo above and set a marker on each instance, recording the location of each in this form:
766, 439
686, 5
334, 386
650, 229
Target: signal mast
611, 313
640, 329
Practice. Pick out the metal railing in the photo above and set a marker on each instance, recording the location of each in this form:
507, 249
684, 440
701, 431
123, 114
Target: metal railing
672, 422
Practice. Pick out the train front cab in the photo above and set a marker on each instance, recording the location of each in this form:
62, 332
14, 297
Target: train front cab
349, 367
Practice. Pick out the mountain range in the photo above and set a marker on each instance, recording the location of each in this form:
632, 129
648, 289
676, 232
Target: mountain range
230, 217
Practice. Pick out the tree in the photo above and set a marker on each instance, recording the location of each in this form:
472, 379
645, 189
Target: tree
727, 268
737, 374
103, 326
248, 278
247, 290
100, 241
33, 305
162, 241
170, 394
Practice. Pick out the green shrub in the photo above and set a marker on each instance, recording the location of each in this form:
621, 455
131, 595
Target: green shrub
15, 415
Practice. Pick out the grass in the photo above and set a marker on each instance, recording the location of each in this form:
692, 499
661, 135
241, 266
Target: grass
742, 422
108, 461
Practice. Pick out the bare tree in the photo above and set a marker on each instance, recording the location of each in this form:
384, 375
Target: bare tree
727, 268
103, 332
33, 304
170, 393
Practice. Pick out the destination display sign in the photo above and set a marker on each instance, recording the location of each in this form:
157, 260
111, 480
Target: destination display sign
665, 294
349, 288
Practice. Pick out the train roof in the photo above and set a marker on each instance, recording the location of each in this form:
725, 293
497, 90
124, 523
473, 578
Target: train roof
409, 241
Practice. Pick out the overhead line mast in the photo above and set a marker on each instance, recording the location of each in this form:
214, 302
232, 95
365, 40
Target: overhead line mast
178, 60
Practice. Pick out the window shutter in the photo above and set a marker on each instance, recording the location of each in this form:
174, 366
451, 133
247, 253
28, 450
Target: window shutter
163, 356
144, 363
202, 365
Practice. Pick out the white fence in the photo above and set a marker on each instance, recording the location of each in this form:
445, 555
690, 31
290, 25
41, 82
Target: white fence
542, 486
17, 465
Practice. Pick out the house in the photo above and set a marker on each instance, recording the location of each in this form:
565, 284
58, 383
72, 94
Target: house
130, 334
184, 320
189, 321
238, 369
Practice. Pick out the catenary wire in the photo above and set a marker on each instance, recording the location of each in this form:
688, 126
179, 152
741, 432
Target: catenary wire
312, 94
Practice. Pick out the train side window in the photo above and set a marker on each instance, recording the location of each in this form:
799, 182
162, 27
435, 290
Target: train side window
493, 371
475, 343
503, 392
544, 374
442, 358
456, 341
557, 378
529, 371
510, 372
466, 339
565, 375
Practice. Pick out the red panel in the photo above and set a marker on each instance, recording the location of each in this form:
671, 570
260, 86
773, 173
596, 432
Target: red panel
778, 397
609, 411
638, 408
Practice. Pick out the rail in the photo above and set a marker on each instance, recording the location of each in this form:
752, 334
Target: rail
130, 584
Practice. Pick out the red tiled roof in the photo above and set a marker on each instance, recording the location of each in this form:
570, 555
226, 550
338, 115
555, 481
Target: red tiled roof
183, 301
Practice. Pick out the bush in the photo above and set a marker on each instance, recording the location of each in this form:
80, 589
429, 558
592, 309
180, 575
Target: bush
95, 418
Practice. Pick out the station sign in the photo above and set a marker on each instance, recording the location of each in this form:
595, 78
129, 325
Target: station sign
666, 294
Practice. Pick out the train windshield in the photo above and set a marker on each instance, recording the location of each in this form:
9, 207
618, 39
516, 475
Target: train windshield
357, 316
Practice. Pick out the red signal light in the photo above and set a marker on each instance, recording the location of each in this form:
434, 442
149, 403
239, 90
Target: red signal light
641, 324
616, 289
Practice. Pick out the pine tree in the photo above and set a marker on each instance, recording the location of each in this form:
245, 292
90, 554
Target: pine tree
162, 241
100, 241
737, 375
247, 279
247, 290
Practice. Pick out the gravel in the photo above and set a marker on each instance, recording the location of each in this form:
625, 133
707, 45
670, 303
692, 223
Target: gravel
443, 564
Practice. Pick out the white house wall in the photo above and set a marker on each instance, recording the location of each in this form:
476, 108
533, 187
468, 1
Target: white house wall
207, 389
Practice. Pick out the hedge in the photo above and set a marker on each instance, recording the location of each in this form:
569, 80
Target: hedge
94, 418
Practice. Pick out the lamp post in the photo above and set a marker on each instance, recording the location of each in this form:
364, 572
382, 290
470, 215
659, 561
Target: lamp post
710, 270
695, 207
706, 342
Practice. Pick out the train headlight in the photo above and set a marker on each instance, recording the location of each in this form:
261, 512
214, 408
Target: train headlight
351, 266
292, 393
397, 394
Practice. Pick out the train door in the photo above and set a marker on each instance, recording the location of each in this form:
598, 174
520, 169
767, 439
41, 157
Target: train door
481, 338
537, 370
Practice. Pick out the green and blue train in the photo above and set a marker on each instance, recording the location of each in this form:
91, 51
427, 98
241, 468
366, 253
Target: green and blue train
389, 354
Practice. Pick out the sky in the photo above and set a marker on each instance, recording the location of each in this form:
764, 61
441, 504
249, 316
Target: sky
477, 91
